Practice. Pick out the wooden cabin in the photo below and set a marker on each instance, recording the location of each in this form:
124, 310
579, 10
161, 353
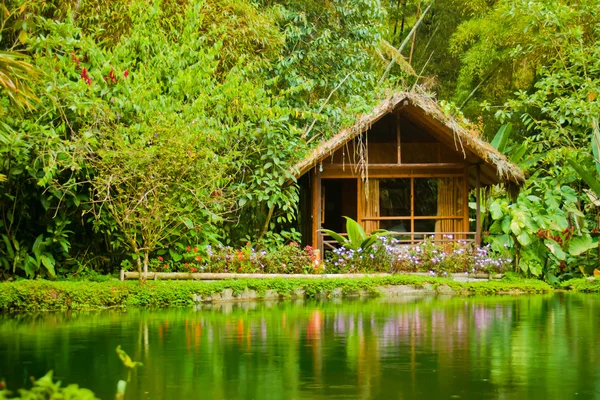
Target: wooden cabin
406, 167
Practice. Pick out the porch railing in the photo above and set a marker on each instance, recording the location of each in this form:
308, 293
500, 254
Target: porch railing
407, 238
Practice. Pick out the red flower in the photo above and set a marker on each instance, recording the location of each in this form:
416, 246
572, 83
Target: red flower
126, 73
166, 267
85, 76
195, 249
160, 258
194, 269
199, 258
240, 269
188, 248
186, 264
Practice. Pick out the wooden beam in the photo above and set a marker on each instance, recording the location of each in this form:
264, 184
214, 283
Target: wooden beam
374, 173
478, 205
408, 218
333, 166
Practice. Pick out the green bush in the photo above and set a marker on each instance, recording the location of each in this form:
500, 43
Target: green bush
288, 259
45, 388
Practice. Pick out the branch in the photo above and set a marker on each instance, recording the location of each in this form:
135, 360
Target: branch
305, 134
403, 45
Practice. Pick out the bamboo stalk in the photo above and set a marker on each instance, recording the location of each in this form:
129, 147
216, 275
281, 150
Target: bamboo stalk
404, 43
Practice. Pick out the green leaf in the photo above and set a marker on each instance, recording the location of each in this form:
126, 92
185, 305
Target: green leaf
496, 210
496, 228
515, 227
340, 239
175, 255
501, 242
242, 201
9, 247
356, 234
524, 239
581, 244
37, 246
592, 182
535, 269
188, 223
555, 249
506, 222
368, 242
518, 154
48, 262
30, 267
501, 138
523, 265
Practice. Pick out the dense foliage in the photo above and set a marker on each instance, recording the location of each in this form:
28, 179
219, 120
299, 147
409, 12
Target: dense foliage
132, 130
171, 124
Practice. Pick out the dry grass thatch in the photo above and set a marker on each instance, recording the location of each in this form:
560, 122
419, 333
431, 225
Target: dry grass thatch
466, 141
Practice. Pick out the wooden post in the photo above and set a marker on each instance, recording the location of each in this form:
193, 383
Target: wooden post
478, 206
316, 207
359, 202
122, 275
412, 211
398, 139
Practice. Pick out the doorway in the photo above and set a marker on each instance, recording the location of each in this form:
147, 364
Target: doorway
338, 199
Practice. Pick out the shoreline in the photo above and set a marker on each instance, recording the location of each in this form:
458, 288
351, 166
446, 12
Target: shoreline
42, 295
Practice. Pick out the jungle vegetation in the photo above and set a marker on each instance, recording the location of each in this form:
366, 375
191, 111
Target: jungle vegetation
131, 129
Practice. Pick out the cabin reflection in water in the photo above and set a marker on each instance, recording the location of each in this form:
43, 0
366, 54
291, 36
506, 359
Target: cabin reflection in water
407, 168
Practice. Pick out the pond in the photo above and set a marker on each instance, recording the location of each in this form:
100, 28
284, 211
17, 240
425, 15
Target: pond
534, 347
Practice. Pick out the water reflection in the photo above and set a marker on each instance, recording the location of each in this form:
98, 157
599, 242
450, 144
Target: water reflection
496, 347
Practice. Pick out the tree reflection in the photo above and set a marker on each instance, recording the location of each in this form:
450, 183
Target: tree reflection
534, 347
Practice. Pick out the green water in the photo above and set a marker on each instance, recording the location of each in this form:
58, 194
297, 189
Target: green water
531, 347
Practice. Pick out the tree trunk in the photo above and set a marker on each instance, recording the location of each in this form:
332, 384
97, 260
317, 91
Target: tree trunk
146, 261
139, 266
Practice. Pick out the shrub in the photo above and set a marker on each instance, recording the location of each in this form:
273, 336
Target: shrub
288, 259
450, 257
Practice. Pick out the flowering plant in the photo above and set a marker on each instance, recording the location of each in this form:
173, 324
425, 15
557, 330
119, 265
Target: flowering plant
441, 258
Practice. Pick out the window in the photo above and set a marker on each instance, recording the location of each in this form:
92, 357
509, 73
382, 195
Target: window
414, 205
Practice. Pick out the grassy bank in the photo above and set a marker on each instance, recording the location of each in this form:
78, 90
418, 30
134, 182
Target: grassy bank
582, 285
41, 295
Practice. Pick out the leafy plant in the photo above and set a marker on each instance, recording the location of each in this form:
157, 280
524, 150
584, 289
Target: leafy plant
357, 237
45, 388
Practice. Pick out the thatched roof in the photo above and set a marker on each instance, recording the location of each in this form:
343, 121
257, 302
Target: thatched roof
424, 109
